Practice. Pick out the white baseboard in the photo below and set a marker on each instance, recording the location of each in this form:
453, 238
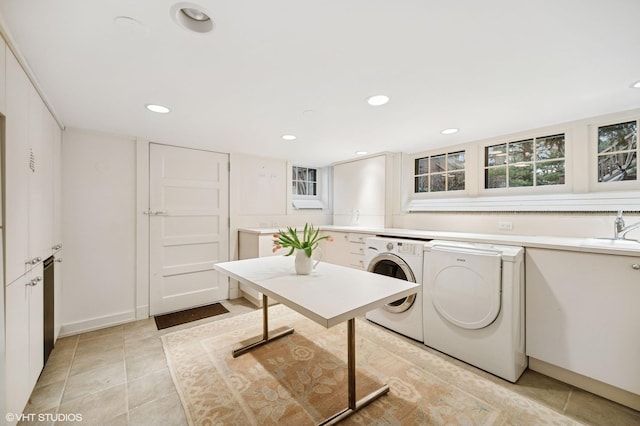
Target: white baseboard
92, 324
604, 390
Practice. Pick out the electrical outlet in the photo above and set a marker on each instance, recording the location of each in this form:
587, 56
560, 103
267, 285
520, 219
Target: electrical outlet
505, 226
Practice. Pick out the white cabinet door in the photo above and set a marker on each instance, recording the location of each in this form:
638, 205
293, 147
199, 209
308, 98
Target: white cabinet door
24, 337
36, 325
40, 178
17, 345
3, 93
57, 182
16, 164
336, 251
582, 314
359, 191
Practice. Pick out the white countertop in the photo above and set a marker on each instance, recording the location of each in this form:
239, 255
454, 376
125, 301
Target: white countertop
323, 296
589, 245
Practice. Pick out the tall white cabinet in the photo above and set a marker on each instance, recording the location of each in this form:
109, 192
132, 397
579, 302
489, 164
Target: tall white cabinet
362, 192
31, 228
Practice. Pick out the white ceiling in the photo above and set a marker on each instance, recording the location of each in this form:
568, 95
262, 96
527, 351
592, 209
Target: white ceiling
306, 67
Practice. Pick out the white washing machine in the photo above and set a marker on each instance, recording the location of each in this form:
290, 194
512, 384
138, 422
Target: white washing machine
403, 259
473, 305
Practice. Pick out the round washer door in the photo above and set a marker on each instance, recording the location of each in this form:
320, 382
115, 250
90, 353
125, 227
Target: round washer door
469, 294
393, 266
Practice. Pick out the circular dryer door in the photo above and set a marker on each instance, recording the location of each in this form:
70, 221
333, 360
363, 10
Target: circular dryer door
393, 266
465, 297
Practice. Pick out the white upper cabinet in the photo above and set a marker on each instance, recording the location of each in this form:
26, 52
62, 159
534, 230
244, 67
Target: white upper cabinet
360, 192
29, 174
40, 178
16, 173
3, 93
57, 184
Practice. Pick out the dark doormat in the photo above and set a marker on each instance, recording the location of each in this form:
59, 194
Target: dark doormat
194, 314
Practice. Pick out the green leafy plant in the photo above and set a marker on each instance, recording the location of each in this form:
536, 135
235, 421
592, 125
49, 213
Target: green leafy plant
290, 239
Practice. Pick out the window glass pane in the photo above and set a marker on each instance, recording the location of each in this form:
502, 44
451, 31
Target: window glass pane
455, 160
294, 188
430, 172
302, 188
616, 167
421, 184
438, 163
455, 181
521, 151
437, 182
617, 137
550, 147
550, 173
312, 188
311, 175
422, 166
301, 173
495, 177
495, 155
521, 175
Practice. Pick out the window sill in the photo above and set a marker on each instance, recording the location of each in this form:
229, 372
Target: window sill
600, 202
307, 204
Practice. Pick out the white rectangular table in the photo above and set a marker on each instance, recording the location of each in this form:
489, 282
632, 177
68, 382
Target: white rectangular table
330, 295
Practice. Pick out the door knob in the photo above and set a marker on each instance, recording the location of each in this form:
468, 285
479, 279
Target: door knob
34, 281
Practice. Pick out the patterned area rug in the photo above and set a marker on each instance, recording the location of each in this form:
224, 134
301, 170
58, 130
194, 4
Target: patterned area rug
301, 379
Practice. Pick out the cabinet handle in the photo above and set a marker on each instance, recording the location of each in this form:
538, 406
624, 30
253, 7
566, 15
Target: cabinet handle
636, 266
56, 247
33, 261
59, 260
34, 281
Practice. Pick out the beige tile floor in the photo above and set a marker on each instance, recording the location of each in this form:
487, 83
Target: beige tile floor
119, 376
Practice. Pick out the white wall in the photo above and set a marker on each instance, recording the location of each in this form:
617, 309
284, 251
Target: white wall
260, 198
98, 203
552, 224
103, 276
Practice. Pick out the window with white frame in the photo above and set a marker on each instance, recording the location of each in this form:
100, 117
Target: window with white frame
526, 163
439, 173
304, 181
618, 152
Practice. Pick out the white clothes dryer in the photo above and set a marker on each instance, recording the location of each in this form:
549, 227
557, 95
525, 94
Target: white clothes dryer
473, 305
402, 259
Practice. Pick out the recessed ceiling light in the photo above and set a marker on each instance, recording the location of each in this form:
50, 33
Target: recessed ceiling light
361, 152
192, 17
449, 131
636, 85
157, 108
377, 100
288, 137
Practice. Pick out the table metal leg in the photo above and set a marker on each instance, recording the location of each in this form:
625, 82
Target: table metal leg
351, 377
265, 331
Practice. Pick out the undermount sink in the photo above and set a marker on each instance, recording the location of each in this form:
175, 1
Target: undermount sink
611, 243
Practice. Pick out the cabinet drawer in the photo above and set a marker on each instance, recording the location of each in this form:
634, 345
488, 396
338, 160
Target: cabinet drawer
356, 248
358, 238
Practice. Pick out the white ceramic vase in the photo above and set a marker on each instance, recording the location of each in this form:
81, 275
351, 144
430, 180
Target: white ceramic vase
304, 264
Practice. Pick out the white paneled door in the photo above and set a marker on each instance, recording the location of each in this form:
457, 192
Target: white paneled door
189, 227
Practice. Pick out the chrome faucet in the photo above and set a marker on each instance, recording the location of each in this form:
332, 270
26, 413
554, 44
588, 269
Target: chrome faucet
620, 229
